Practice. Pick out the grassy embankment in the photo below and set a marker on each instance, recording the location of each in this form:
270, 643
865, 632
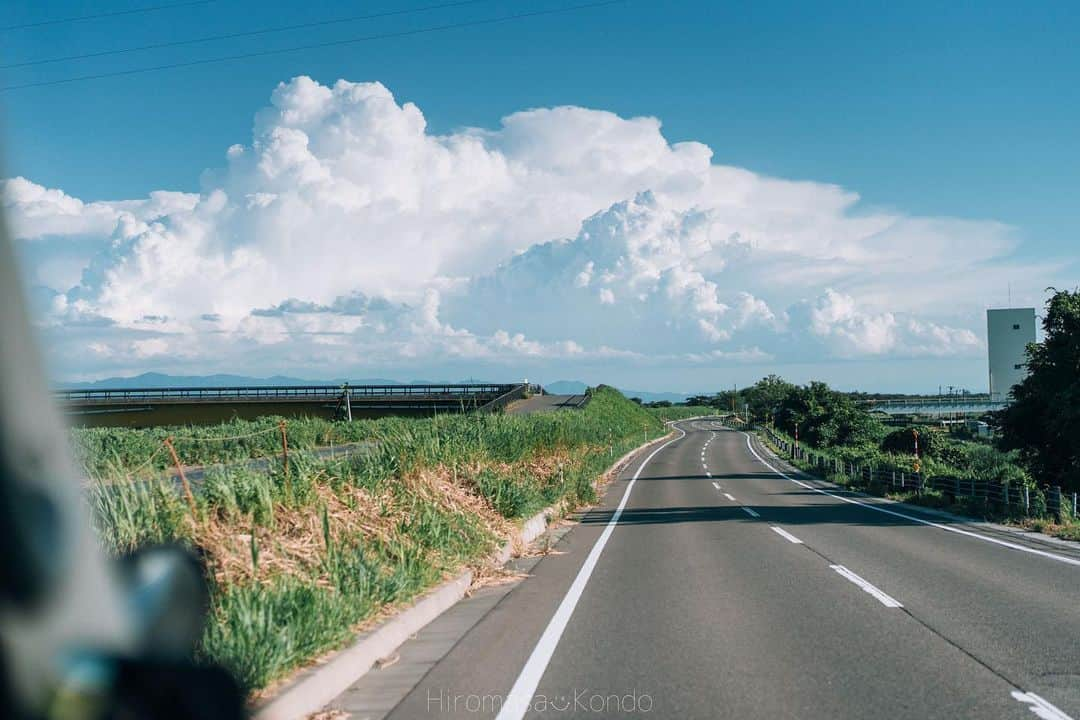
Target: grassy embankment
113, 452
681, 412
298, 563
969, 460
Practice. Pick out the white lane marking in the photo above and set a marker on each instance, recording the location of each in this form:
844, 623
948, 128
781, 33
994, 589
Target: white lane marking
716, 485
520, 698
785, 534
882, 598
729, 497
946, 528
1039, 706
750, 512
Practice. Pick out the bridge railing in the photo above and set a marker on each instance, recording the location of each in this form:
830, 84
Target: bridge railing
933, 405
278, 392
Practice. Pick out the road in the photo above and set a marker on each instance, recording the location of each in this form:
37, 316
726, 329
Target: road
723, 588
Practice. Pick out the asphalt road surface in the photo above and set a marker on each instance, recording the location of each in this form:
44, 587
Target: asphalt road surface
725, 589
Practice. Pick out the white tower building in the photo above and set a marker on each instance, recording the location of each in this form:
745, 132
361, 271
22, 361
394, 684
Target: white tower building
1008, 332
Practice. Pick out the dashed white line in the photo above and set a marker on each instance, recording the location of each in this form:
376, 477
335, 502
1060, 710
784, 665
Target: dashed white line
716, 485
750, 512
1039, 706
729, 497
879, 595
785, 534
946, 528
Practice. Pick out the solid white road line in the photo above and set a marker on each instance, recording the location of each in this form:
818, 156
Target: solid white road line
882, 598
1039, 706
785, 534
729, 497
946, 528
750, 512
521, 694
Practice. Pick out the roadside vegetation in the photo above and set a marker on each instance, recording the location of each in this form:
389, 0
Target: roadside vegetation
666, 412
1028, 476
299, 561
111, 452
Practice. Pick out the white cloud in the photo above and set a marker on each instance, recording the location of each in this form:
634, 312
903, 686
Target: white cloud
346, 233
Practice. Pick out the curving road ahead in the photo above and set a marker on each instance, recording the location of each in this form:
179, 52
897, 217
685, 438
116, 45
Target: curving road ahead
714, 582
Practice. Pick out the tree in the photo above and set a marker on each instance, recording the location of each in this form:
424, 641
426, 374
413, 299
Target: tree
767, 395
826, 418
1043, 421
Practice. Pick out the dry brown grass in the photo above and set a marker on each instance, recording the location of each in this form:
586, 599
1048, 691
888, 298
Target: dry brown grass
294, 544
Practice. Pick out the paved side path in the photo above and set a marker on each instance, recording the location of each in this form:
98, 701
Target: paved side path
544, 403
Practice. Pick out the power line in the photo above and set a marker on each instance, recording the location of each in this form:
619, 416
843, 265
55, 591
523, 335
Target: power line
313, 46
115, 13
240, 34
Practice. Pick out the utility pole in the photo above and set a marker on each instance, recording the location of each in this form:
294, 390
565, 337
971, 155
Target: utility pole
348, 402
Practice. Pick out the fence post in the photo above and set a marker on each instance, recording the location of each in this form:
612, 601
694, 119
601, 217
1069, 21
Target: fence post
1075, 514
1027, 500
1057, 501
285, 457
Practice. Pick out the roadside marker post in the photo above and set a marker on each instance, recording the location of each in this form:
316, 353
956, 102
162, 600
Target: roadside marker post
285, 458
183, 478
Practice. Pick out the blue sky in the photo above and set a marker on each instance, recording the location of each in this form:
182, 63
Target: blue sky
964, 111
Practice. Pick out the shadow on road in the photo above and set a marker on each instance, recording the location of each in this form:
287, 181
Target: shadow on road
837, 513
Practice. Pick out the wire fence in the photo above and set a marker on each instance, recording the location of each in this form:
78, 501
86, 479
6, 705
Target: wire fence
989, 496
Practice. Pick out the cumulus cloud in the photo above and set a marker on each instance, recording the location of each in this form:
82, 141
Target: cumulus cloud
345, 232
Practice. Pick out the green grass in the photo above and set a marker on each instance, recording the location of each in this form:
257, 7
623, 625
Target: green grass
681, 412
1068, 528
107, 452
296, 563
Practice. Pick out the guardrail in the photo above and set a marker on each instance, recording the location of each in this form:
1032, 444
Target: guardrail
961, 405
1003, 498
516, 392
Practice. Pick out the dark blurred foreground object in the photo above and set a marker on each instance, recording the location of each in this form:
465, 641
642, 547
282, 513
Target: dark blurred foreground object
82, 636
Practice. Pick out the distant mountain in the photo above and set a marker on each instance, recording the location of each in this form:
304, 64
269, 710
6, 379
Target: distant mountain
160, 380
565, 387
574, 387
655, 396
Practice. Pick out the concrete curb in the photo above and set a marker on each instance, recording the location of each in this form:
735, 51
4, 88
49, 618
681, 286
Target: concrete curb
312, 692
